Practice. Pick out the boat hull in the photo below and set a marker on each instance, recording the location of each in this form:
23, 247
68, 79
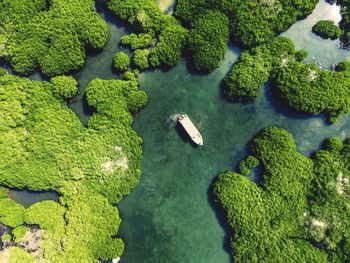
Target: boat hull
191, 130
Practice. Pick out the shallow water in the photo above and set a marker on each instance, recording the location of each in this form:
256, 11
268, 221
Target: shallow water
28, 198
171, 216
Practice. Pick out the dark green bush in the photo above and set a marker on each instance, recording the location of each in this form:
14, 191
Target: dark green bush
168, 36
137, 41
299, 211
44, 146
121, 61
327, 29
308, 89
254, 68
141, 59
300, 55
64, 87
333, 144
53, 40
343, 66
251, 22
246, 165
208, 40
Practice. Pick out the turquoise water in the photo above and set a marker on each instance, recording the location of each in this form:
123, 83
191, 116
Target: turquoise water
171, 216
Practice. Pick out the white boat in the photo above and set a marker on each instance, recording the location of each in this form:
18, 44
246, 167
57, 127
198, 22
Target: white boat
191, 130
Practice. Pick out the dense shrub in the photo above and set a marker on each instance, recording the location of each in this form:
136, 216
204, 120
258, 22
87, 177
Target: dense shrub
300, 55
54, 39
342, 66
64, 87
302, 87
208, 40
141, 59
19, 233
308, 89
246, 165
44, 146
254, 68
137, 41
327, 29
121, 61
168, 36
334, 144
251, 22
299, 211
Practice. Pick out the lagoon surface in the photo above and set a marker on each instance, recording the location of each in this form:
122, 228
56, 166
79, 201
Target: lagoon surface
171, 215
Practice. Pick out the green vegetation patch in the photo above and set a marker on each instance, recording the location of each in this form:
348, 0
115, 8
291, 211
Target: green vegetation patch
251, 22
141, 59
50, 35
299, 211
121, 61
308, 89
208, 40
301, 87
161, 34
254, 68
44, 146
327, 29
19, 233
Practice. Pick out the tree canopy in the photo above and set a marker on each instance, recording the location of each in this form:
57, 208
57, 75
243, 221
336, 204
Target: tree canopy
299, 210
50, 35
161, 34
44, 146
327, 29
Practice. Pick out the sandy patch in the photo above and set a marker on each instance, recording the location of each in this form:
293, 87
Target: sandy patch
284, 62
33, 242
318, 223
312, 75
110, 166
342, 182
166, 6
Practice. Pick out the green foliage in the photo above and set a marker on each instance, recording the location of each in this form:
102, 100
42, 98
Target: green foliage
254, 68
208, 40
308, 89
168, 36
121, 61
17, 255
343, 66
333, 144
54, 39
11, 213
345, 21
251, 22
19, 232
44, 146
6, 238
300, 55
64, 87
171, 41
299, 211
141, 59
245, 166
302, 87
3, 72
327, 29
139, 41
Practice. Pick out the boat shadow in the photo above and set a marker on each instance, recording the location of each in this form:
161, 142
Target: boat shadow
184, 136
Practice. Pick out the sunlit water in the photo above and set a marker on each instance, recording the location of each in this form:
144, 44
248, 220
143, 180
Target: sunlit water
171, 216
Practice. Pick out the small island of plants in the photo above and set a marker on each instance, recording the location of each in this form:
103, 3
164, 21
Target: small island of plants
299, 210
327, 29
44, 147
